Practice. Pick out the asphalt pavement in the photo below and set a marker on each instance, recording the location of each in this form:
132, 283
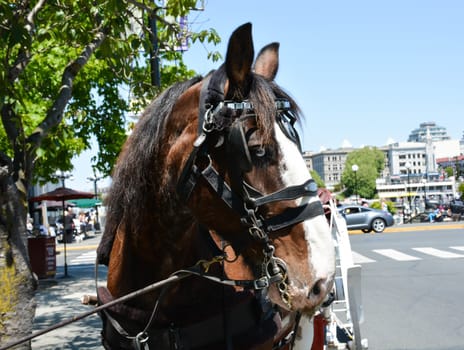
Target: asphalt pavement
59, 299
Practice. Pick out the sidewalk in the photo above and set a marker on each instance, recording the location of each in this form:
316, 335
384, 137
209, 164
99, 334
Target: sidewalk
59, 299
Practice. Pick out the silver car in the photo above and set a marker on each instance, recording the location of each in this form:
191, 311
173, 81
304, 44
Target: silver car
366, 219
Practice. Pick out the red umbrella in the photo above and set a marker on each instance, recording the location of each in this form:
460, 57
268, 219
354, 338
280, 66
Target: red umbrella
62, 194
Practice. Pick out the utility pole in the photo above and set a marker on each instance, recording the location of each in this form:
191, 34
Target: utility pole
154, 57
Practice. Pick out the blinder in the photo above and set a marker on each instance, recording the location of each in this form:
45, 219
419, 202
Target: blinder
286, 121
237, 142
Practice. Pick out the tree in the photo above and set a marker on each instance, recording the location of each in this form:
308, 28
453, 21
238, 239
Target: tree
63, 65
461, 190
316, 177
371, 162
449, 171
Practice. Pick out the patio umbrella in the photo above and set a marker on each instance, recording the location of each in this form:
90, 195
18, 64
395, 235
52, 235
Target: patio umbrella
62, 194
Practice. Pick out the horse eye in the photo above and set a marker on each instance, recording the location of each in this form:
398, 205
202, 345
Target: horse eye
258, 151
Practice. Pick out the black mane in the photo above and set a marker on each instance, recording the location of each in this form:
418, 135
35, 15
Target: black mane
135, 176
136, 199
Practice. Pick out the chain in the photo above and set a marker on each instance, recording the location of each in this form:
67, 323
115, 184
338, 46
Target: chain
207, 263
276, 271
273, 269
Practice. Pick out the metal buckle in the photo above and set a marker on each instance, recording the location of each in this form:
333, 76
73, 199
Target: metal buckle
261, 283
141, 341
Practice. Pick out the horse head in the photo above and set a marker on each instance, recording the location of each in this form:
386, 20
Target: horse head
246, 180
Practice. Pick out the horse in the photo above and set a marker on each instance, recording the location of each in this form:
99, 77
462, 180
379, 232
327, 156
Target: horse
212, 183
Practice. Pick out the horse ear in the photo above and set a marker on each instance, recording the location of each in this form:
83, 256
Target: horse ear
267, 62
239, 59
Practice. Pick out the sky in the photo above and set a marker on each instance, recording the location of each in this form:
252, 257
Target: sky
363, 72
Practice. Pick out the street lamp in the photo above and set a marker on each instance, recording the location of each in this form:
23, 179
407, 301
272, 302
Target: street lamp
95, 179
408, 169
424, 182
355, 169
62, 176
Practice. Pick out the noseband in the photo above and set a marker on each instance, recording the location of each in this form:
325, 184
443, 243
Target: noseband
245, 200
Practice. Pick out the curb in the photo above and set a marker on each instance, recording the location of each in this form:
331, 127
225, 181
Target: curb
415, 227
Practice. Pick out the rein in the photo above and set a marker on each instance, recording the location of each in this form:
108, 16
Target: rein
150, 288
199, 269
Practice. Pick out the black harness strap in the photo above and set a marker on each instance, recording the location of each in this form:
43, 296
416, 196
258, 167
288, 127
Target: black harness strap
223, 190
289, 217
190, 173
212, 92
292, 216
309, 188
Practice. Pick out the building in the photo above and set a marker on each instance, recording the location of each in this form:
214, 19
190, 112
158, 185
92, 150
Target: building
413, 190
329, 164
404, 157
418, 161
428, 129
456, 163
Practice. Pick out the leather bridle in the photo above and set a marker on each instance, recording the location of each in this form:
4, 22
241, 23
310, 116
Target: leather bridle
216, 124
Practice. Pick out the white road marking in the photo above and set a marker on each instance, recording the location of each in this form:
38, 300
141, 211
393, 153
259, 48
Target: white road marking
400, 256
461, 248
438, 253
86, 258
395, 255
361, 259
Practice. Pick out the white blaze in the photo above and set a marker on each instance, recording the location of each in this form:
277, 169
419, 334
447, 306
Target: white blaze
317, 232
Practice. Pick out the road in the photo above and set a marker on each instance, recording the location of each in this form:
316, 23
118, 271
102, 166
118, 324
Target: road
412, 288
78, 253
412, 285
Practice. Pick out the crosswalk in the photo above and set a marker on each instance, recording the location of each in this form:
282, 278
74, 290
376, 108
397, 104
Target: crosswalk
85, 258
412, 254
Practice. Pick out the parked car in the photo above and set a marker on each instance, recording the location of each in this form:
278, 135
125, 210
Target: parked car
457, 206
366, 219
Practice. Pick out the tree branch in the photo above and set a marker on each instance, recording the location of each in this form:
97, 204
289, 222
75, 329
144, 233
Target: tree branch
56, 111
24, 56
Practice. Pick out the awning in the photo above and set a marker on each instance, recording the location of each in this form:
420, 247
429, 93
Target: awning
86, 202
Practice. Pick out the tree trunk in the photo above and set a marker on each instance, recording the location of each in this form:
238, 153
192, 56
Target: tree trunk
17, 283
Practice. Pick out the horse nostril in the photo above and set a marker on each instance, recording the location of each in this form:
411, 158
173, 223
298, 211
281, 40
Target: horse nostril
318, 288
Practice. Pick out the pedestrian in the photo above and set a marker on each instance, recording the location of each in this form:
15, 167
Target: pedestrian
384, 205
68, 226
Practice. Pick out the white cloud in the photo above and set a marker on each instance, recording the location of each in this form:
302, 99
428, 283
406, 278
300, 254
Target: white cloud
346, 144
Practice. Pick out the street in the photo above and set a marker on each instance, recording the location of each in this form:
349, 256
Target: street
78, 253
412, 289
411, 285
